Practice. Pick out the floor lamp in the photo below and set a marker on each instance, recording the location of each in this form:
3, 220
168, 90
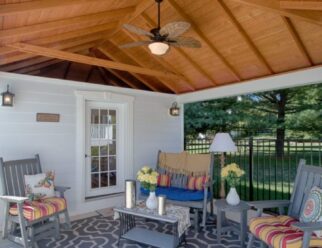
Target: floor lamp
222, 143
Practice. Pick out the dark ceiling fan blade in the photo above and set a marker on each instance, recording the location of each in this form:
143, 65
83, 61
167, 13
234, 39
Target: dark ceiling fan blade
137, 30
184, 42
135, 44
174, 29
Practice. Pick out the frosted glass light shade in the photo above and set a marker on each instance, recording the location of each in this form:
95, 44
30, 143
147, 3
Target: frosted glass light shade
158, 48
223, 143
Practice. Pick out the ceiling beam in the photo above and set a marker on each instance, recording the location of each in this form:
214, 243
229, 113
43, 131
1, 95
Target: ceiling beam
274, 6
53, 53
105, 52
71, 24
67, 70
245, 36
79, 34
139, 9
297, 39
301, 5
124, 79
183, 15
39, 59
117, 74
106, 78
89, 74
19, 8
37, 66
10, 58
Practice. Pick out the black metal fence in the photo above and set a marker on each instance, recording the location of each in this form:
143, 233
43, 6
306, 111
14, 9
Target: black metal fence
268, 176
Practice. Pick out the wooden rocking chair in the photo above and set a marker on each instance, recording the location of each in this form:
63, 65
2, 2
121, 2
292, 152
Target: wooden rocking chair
17, 227
286, 230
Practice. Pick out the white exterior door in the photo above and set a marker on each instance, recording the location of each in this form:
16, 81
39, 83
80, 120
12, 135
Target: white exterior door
104, 148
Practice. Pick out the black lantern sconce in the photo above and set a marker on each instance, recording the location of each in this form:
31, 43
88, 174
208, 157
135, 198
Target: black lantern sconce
7, 98
174, 110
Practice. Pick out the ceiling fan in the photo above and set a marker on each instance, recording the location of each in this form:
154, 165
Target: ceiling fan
161, 38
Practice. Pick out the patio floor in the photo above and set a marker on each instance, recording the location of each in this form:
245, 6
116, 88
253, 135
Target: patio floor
98, 229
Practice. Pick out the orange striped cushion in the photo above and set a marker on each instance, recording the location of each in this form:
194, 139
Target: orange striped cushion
37, 209
276, 231
57, 202
197, 183
164, 180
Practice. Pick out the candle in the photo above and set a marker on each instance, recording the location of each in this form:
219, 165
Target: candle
161, 204
130, 193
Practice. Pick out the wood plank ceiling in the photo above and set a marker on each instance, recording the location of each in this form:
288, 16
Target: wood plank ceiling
79, 40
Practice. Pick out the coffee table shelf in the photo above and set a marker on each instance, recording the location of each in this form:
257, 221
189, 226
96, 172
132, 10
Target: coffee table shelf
148, 237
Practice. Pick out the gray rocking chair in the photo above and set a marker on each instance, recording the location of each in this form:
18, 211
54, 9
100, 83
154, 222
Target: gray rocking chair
21, 230
307, 177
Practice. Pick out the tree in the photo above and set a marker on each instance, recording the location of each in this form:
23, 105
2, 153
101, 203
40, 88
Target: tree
281, 104
295, 112
220, 115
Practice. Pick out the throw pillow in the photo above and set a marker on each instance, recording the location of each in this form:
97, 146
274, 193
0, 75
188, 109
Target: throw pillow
40, 186
197, 183
312, 211
179, 181
164, 180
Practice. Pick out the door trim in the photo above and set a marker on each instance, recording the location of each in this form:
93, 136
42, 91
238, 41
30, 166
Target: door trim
108, 97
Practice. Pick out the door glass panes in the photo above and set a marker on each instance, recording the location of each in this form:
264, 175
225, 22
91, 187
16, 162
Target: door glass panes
112, 163
103, 131
104, 165
95, 165
112, 148
112, 178
95, 181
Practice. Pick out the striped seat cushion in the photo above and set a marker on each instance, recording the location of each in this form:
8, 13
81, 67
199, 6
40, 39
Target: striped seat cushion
276, 231
37, 209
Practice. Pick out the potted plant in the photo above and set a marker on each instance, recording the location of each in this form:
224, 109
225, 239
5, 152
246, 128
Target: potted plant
232, 174
148, 179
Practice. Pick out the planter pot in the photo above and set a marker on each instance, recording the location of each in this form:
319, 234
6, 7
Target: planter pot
152, 202
233, 197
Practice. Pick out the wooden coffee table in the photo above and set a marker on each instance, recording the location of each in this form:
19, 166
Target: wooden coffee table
129, 230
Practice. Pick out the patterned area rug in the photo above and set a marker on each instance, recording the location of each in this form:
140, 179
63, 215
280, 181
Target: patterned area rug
101, 232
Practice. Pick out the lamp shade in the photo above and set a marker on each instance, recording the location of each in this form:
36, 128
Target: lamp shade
223, 143
158, 48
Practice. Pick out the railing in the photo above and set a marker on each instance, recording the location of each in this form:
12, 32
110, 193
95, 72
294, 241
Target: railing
268, 176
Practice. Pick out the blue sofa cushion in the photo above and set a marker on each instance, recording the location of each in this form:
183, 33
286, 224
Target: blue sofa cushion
177, 194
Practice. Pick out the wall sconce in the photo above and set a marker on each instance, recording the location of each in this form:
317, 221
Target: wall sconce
174, 110
7, 98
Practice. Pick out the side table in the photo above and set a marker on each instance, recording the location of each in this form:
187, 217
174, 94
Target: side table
223, 224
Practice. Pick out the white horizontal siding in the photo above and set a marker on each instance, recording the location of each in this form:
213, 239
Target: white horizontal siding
22, 137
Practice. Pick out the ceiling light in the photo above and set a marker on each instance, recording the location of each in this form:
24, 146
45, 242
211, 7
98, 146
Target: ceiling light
158, 48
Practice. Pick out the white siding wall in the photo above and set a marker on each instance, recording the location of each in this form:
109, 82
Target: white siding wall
22, 137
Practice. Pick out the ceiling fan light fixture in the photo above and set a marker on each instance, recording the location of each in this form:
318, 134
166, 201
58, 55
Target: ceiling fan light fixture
158, 48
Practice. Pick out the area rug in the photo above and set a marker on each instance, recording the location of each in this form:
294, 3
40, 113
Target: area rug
102, 232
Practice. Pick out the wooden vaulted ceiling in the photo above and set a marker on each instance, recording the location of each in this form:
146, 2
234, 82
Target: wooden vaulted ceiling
79, 40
